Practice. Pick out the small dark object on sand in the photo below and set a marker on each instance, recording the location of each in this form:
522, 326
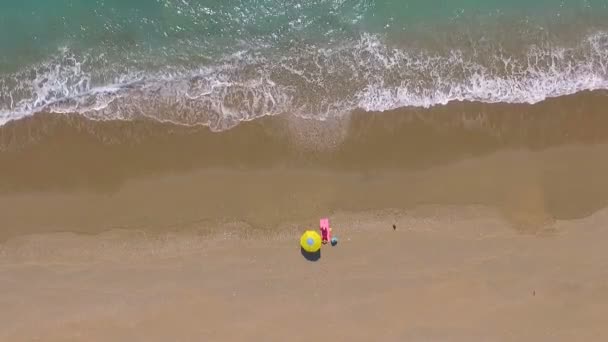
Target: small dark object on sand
394, 227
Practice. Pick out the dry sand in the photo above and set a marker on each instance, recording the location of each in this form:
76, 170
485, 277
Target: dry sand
445, 274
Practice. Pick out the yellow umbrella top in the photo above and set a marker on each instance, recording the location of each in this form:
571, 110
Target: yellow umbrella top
310, 241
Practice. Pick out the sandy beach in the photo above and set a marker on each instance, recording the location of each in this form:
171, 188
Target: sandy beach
144, 231
445, 274
161, 160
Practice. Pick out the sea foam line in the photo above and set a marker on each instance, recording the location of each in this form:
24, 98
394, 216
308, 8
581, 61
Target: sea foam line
307, 81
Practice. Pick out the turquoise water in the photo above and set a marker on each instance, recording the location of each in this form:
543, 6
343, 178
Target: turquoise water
219, 62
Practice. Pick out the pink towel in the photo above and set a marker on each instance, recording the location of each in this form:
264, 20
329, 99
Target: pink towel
325, 230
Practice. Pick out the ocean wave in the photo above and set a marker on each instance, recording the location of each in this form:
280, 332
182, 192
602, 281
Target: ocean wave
305, 79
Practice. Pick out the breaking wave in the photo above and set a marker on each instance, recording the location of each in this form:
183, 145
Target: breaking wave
306, 80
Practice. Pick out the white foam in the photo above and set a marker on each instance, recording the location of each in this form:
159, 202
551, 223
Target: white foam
544, 73
307, 81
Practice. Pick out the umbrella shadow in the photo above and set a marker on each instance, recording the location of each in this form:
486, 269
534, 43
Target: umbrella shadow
311, 256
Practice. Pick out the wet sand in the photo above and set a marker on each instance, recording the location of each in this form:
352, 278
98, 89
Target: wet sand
534, 164
141, 230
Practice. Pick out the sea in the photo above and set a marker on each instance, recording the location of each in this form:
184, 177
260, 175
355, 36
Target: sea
218, 63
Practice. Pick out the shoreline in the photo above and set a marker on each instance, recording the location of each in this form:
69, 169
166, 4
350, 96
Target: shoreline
534, 163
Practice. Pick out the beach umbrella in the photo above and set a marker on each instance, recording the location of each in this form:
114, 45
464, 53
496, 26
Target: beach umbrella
310, 241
